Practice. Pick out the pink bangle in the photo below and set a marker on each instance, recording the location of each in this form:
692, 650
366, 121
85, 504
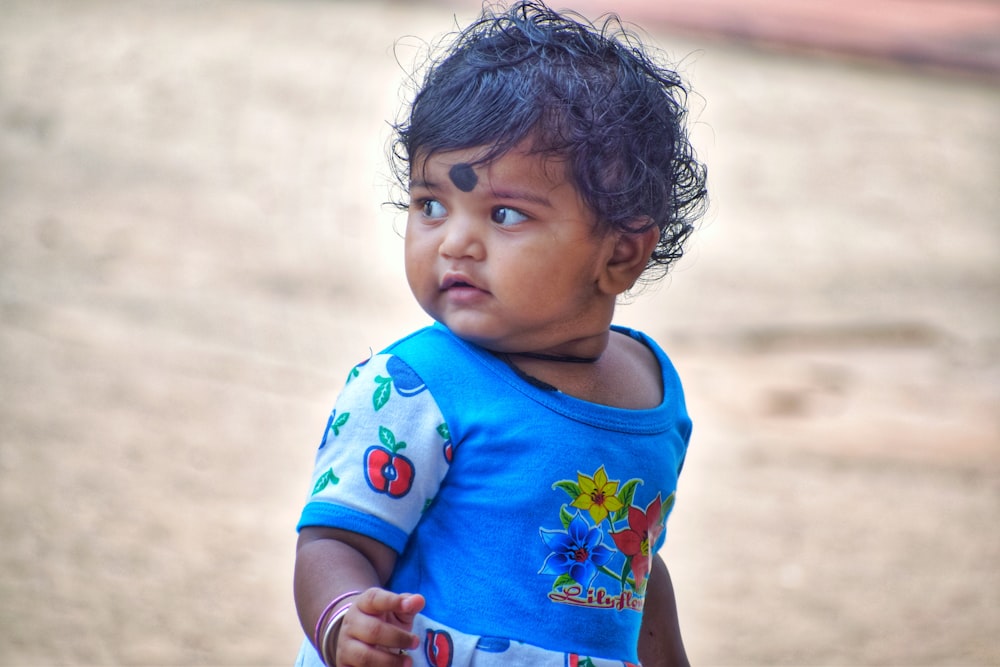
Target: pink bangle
319, 622
331, 627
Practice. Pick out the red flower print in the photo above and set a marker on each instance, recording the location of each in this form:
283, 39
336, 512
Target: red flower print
637, 540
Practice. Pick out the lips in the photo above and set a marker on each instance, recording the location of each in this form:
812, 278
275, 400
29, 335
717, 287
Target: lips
458, 281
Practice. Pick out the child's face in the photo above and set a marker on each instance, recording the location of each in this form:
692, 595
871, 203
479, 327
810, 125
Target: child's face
506, 254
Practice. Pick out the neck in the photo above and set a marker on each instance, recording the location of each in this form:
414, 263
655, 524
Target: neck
581, 350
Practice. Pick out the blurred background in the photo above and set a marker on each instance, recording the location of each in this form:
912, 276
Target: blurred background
194, 251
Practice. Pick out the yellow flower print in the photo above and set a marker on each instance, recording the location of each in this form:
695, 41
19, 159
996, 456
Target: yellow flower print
597, 495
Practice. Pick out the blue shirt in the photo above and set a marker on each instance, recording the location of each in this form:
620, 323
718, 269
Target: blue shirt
521, 514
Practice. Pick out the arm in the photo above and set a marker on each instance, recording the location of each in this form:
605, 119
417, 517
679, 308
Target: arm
660, 643
329, 563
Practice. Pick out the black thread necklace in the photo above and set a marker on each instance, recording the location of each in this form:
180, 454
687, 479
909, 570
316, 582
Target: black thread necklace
565, 358
531, 379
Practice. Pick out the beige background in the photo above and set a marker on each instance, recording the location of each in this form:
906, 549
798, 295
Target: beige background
193, 253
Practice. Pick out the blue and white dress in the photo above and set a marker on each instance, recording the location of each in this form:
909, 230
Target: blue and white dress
526, 517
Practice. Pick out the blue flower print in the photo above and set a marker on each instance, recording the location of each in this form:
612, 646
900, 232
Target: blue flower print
577, 552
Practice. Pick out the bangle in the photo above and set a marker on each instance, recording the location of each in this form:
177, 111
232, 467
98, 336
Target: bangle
319, 621
335, 619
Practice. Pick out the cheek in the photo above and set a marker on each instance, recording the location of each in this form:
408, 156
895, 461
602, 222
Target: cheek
411, 265
418, 257
549, 270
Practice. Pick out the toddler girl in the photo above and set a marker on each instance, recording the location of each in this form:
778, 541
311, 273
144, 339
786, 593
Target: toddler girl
492, 490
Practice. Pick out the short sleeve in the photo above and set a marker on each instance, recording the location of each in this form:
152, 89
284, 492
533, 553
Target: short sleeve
383, 456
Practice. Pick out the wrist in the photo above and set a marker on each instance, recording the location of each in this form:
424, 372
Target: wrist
324, 624
328, 644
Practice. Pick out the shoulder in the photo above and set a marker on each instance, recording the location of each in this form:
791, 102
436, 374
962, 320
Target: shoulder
396, 365
635, 368
426, 347
637, 349
444, 361
377, 378
646, 354
430, 364
433, 337
651, 366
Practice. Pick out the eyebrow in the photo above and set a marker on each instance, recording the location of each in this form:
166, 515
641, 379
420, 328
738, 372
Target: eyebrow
509, 195
522, 195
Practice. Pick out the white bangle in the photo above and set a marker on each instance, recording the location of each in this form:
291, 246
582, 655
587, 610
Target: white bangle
334, 620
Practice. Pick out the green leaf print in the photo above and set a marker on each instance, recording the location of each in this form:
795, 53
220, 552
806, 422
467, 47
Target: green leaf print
383, 391
325, 480
572, 489
388, 438
626, 568
563, 580
565, 517
626, 495
443, 431
667, 505
339, 422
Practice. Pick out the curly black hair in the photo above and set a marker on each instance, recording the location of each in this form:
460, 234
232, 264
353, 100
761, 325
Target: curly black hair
589, 94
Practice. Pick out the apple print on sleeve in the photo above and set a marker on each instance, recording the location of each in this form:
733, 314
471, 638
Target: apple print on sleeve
439, 648
449, 447
386, 471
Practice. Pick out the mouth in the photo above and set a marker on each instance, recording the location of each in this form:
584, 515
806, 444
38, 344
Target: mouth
458, 282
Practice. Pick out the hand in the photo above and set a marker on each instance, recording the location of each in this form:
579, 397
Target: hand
375, 631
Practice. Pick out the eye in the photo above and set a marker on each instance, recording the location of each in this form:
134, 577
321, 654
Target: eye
432, 208
507, 216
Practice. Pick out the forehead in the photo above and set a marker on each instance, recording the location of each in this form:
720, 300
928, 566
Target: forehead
467, 168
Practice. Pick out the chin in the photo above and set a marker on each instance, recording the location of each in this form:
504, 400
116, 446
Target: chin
471, 334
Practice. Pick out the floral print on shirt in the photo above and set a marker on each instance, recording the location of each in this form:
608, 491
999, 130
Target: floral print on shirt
602, 556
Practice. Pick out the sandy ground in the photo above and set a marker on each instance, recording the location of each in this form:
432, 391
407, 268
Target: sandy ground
193, 252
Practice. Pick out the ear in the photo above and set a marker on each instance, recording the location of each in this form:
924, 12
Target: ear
628, 259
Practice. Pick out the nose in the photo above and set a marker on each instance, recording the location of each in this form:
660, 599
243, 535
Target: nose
462, 238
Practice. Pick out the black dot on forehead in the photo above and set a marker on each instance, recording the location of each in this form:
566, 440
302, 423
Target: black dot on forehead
463, 177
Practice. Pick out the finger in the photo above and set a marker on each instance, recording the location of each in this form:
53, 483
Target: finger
376, 631
381, 601
411, 605
358, 654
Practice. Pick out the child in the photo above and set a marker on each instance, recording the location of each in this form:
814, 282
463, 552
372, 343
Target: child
492, 490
